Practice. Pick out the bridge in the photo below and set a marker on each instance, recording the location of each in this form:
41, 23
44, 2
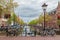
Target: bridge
37, 26
34, 26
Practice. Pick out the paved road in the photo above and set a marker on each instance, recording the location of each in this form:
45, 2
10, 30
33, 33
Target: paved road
57, 37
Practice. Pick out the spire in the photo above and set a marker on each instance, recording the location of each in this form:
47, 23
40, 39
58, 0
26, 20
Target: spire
59, 4
58, 10
58, 7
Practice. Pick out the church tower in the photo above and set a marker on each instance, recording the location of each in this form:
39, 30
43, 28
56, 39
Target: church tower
58, 14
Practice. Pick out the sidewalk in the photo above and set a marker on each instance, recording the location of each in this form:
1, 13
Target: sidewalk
57, 37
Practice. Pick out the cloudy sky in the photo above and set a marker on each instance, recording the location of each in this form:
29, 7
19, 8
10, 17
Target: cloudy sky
31, 9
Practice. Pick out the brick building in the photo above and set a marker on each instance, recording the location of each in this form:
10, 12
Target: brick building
55, 15
58, 13
4, 18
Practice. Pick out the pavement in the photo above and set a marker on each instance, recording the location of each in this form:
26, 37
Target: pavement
57, 37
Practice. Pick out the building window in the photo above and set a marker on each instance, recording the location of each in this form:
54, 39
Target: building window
7, 16
58, 17
59, 26
55, 12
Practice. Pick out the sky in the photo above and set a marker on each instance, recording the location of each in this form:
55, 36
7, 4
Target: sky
31, 9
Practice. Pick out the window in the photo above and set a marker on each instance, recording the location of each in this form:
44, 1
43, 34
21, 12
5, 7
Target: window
55, 12
59, 26
7, 16
58, 17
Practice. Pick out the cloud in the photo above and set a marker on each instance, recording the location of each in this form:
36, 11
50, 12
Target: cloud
31, 9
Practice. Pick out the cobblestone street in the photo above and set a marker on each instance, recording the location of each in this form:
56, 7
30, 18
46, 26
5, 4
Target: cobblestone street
57, 37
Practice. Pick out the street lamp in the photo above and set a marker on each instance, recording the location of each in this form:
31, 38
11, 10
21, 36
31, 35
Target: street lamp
44, 6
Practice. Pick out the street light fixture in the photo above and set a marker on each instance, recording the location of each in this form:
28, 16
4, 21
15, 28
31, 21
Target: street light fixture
44, 6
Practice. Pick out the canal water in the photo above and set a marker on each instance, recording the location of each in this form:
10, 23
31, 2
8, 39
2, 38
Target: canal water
27, 31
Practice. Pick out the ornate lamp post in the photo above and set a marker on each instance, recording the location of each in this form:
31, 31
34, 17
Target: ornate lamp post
44, 6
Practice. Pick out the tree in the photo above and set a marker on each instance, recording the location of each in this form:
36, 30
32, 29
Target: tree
15, 19
1, 10
33, 22
20, 21
47, 18
8, 5
41, 19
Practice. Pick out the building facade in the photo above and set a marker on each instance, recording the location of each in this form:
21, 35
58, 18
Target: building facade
3, 19
55, 15
58, 14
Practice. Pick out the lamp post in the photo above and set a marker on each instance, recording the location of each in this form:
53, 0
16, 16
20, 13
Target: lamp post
44, 6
